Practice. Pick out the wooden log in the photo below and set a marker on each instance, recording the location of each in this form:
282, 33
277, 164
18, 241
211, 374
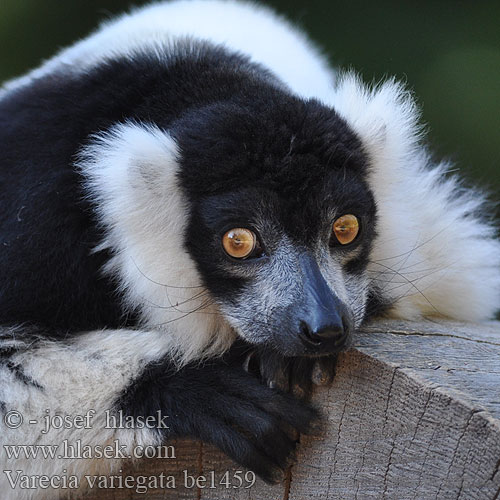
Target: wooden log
413, 413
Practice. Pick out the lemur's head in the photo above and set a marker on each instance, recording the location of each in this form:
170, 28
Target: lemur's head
280, 220
249, 219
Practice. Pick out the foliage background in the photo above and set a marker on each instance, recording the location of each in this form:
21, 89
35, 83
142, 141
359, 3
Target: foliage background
447, 51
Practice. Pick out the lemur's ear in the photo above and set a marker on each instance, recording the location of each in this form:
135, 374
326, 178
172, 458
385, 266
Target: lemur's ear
385, 118
129, 163
435, 250
131, 175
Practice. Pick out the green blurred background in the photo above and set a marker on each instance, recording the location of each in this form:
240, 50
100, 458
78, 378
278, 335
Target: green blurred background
447, 51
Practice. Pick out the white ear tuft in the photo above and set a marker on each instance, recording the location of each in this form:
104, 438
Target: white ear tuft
131, 176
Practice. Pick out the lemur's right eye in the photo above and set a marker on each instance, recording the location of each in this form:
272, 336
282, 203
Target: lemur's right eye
240, 243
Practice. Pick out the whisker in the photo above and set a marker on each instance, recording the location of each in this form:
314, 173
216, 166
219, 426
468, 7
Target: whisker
163, 284
198, 310
416, 247
410, 283
195, 297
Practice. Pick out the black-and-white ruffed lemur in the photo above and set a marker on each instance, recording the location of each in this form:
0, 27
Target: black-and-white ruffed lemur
193, 179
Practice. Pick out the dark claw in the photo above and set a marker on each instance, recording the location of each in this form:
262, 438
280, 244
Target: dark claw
323, 371
275, 371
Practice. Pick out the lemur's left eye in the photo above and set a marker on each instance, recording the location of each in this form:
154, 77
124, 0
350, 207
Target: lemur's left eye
240, 243
346, 228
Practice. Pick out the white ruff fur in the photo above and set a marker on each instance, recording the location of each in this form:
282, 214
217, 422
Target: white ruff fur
88, 373
246, 27
433, 255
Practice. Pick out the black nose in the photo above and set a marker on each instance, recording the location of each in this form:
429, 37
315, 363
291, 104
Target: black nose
332, 332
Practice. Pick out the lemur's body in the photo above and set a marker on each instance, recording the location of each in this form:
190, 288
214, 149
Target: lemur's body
125, 159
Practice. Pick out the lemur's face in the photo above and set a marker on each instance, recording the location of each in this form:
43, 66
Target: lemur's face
281, 222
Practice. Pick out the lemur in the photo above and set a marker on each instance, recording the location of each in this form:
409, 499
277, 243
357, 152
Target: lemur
194, 179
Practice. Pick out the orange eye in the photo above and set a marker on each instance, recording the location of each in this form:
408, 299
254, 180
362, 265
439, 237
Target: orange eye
239, 242
346, 228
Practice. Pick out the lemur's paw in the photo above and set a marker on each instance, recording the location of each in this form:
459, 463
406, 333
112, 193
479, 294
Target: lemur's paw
297, 375
219, 403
